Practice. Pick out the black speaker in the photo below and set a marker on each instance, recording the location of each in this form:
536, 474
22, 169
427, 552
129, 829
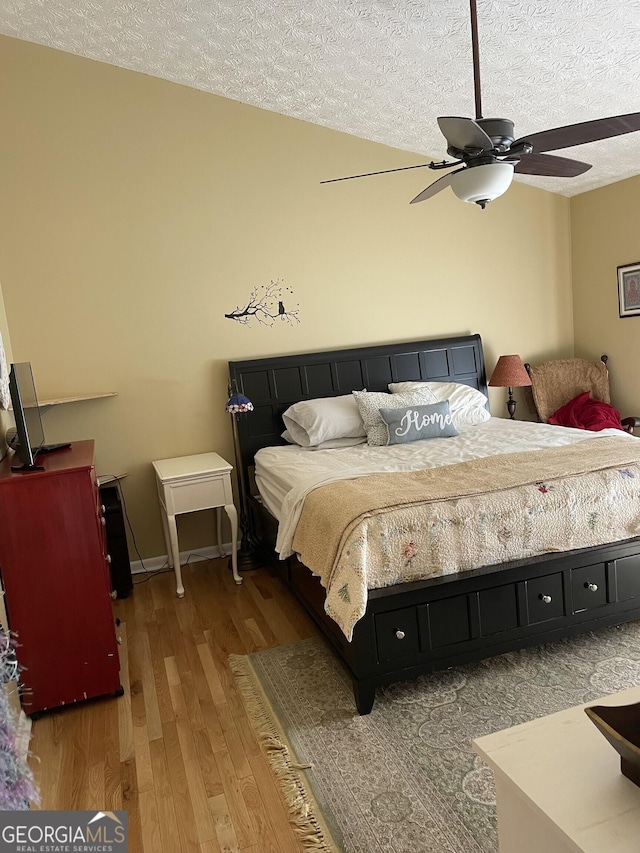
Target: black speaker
121, 580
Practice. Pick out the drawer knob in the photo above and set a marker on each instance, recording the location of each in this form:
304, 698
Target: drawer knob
592, 587
545, 599
103, 520
400, 635
108, 558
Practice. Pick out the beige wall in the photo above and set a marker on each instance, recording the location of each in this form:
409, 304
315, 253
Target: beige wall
604, 228
134, 213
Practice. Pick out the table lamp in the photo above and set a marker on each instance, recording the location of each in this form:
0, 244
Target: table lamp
237, 406
510, 373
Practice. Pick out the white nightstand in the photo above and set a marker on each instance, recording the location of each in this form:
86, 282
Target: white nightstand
189, 484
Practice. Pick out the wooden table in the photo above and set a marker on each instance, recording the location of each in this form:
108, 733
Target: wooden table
559, 788
190, 484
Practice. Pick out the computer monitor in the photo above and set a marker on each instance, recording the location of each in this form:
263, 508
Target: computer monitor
26, 411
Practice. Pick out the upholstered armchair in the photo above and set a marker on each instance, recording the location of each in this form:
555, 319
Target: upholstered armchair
556, 383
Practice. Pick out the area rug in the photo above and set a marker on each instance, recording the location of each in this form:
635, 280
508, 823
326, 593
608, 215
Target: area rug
405, 777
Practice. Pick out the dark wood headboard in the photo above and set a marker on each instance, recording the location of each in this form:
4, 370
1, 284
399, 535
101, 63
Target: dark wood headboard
273, 384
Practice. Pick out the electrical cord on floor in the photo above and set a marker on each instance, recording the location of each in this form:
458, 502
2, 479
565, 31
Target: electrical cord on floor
165, 568
150, 572
201, 557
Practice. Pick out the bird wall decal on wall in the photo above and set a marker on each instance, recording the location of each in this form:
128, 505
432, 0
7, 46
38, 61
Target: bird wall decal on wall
265, 305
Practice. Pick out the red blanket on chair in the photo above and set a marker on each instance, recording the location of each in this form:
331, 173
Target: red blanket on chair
584, 413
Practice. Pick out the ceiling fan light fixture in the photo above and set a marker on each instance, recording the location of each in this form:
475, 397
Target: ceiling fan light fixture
482, 184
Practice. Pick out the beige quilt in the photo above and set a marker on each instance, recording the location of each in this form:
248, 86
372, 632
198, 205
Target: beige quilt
375, 531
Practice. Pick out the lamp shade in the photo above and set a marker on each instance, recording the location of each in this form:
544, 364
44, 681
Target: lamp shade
238, 403
481, 184
509, 373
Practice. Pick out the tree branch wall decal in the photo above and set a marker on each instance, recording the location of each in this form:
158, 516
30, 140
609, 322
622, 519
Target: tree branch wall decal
265, 305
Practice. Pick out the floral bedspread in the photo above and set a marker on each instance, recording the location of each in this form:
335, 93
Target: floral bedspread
372, 532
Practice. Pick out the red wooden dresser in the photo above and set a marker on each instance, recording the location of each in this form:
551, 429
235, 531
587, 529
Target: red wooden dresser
55, 574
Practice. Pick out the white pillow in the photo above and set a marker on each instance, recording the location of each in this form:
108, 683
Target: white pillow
336, 443
467, 405
311, 422
331, 444
370, 403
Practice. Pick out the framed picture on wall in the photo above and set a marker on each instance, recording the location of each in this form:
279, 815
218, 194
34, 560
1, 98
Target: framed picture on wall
629, 290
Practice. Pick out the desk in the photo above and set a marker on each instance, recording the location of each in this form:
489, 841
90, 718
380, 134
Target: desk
559, 788
189, 484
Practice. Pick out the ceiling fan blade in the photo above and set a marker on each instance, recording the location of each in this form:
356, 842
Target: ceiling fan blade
548, 164
580, 134
369, 174
464, 133
441, 184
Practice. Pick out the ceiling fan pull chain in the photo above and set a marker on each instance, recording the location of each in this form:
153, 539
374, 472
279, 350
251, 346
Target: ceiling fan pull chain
476, 58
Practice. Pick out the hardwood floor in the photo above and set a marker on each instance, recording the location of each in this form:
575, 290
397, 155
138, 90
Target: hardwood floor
177, 751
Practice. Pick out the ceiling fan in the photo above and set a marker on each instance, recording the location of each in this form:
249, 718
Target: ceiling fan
489, 154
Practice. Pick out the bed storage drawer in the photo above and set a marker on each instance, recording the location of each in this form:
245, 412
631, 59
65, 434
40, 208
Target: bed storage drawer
498, 609
588, 587
545, 599
397, 633
447, 621
628, 577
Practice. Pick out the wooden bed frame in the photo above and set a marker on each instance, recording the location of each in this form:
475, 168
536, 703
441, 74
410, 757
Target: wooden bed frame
414, 628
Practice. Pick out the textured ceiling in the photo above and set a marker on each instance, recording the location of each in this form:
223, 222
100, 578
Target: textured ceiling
379, 69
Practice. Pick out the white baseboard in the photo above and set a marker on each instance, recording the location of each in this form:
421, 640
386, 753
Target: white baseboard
153, 564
